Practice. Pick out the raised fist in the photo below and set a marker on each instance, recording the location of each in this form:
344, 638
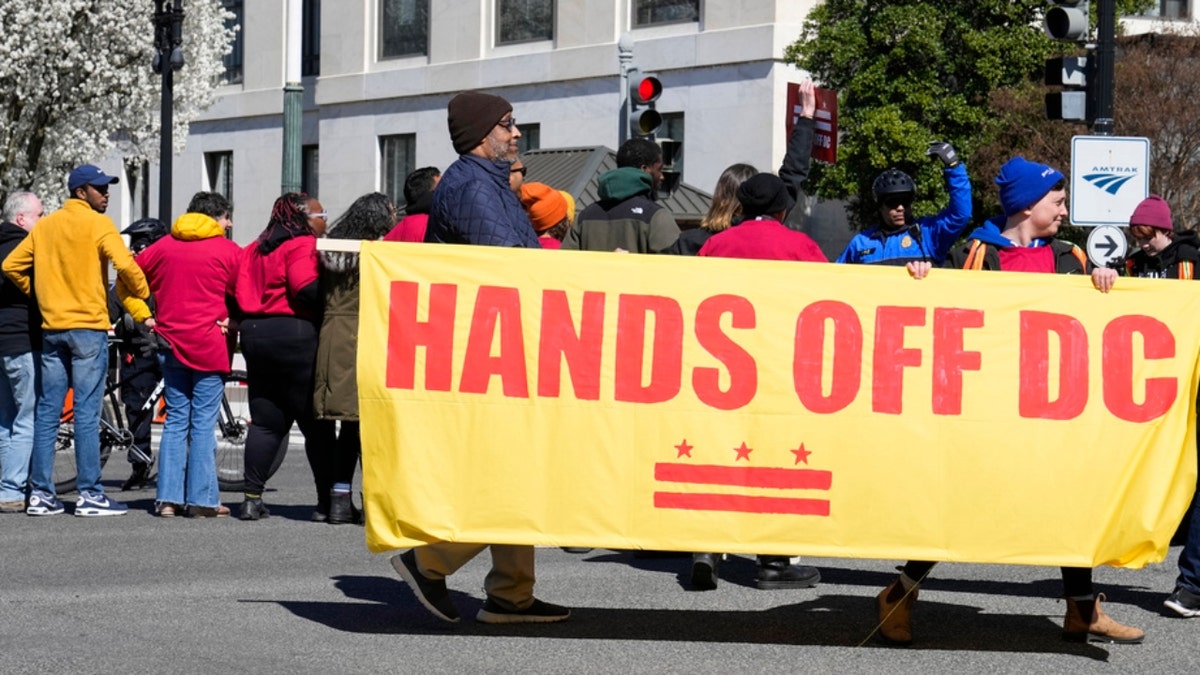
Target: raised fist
945, 152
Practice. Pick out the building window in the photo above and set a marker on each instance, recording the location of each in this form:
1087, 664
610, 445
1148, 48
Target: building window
237, 23
1169, 9
652, 12
310, 170
403, 28
397, 159
524, 20
531, 137
220, 172
310, 43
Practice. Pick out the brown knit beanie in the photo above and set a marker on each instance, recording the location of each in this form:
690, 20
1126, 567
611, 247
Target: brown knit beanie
471, 116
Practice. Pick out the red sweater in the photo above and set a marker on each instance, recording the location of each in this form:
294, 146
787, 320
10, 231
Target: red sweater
762, 240
268, 284
190, 274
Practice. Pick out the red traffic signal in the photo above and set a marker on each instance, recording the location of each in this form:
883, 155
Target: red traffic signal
645, 90
643, 119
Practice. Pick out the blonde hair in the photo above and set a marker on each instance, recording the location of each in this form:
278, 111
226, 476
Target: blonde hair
725, 205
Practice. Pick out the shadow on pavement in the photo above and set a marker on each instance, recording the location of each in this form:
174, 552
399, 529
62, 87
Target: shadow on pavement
387, 606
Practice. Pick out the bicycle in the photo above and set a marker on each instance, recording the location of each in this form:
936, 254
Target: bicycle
115, 436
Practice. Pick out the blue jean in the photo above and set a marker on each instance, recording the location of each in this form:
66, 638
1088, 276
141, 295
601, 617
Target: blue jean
78, 358
187, 453
18, 398
1189, 557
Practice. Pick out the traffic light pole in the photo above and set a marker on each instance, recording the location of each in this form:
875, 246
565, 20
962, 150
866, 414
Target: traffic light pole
625, 58
1106, 50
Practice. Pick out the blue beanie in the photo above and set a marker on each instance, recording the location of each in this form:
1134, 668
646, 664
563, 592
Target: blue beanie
1023, 183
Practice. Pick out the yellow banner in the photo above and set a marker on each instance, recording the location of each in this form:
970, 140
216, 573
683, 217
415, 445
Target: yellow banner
697, 404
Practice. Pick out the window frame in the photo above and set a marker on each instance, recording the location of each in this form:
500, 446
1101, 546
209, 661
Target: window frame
497, 13
633, 15
382, 27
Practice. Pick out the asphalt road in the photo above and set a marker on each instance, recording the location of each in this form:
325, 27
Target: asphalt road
140, 594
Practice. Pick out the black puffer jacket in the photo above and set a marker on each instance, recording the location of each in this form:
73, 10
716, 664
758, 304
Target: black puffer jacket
20, 320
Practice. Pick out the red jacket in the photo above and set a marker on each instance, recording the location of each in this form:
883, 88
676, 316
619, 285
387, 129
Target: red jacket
762, 240
190, 274
268, 284
410, 228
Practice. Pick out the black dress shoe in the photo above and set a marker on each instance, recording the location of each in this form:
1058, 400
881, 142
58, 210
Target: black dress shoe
137, 480
777, 572
253, 509
704, 571
342, 510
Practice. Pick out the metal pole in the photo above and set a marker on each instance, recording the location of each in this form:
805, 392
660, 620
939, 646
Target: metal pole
293, 101
168, 36
1106, 50
625, 59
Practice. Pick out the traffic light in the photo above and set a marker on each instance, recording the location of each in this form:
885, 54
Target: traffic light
643, 119
1068, 20
1070, 73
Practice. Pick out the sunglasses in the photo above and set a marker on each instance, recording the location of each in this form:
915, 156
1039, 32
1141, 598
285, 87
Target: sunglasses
895, 202
521, 170
102, 189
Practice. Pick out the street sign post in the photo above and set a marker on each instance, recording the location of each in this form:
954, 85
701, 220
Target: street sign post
1105, 244
1110, 175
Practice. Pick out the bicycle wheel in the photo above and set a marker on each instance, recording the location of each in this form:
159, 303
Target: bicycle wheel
65, 474
233, 425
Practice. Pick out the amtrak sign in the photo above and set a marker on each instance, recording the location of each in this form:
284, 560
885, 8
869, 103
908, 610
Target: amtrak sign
1110, 175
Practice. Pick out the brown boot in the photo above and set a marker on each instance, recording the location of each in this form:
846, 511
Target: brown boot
895, 612
1086, 621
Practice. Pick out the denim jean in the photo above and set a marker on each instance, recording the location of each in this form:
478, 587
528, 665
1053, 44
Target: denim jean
18, 397
79, 358
187, 453
1189, 557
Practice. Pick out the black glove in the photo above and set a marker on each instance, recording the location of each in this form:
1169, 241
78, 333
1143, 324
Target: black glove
945, 152
148, 343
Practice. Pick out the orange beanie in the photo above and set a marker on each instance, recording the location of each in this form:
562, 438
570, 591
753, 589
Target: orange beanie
545, 205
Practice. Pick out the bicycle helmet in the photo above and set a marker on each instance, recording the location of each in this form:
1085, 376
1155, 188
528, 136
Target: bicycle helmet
144, 232
893, 182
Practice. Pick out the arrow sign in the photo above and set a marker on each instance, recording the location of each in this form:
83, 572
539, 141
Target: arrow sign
1105, 244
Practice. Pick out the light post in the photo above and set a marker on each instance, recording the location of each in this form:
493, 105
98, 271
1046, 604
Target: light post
168, 57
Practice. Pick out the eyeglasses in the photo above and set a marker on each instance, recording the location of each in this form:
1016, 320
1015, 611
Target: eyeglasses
520, 169
893, 203
322, 214
507, 124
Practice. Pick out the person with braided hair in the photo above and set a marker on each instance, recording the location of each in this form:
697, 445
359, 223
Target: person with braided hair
279, 297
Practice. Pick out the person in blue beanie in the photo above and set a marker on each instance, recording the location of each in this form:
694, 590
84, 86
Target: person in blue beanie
899, 239
1033, 197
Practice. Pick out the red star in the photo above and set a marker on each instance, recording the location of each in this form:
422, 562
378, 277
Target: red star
801, 454
684, 449
743, 452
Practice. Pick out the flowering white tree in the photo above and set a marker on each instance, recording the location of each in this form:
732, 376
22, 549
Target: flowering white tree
76, 83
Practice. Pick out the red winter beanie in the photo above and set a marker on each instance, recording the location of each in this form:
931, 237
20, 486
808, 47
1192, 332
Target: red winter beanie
1152, 212
471, 116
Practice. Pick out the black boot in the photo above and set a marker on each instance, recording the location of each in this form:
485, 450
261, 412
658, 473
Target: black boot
342, 510
704, 571
776, 572
137, 480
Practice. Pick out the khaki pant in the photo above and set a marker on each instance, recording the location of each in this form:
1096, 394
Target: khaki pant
510, 582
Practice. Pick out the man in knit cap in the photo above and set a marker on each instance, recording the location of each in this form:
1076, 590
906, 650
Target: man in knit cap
473, 204
1163, 253
1033, 197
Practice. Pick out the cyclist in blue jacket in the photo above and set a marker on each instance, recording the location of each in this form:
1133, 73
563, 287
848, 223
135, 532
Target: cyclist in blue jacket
900, 239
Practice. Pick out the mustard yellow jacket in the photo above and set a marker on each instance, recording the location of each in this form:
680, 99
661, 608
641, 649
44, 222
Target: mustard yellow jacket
65, 260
